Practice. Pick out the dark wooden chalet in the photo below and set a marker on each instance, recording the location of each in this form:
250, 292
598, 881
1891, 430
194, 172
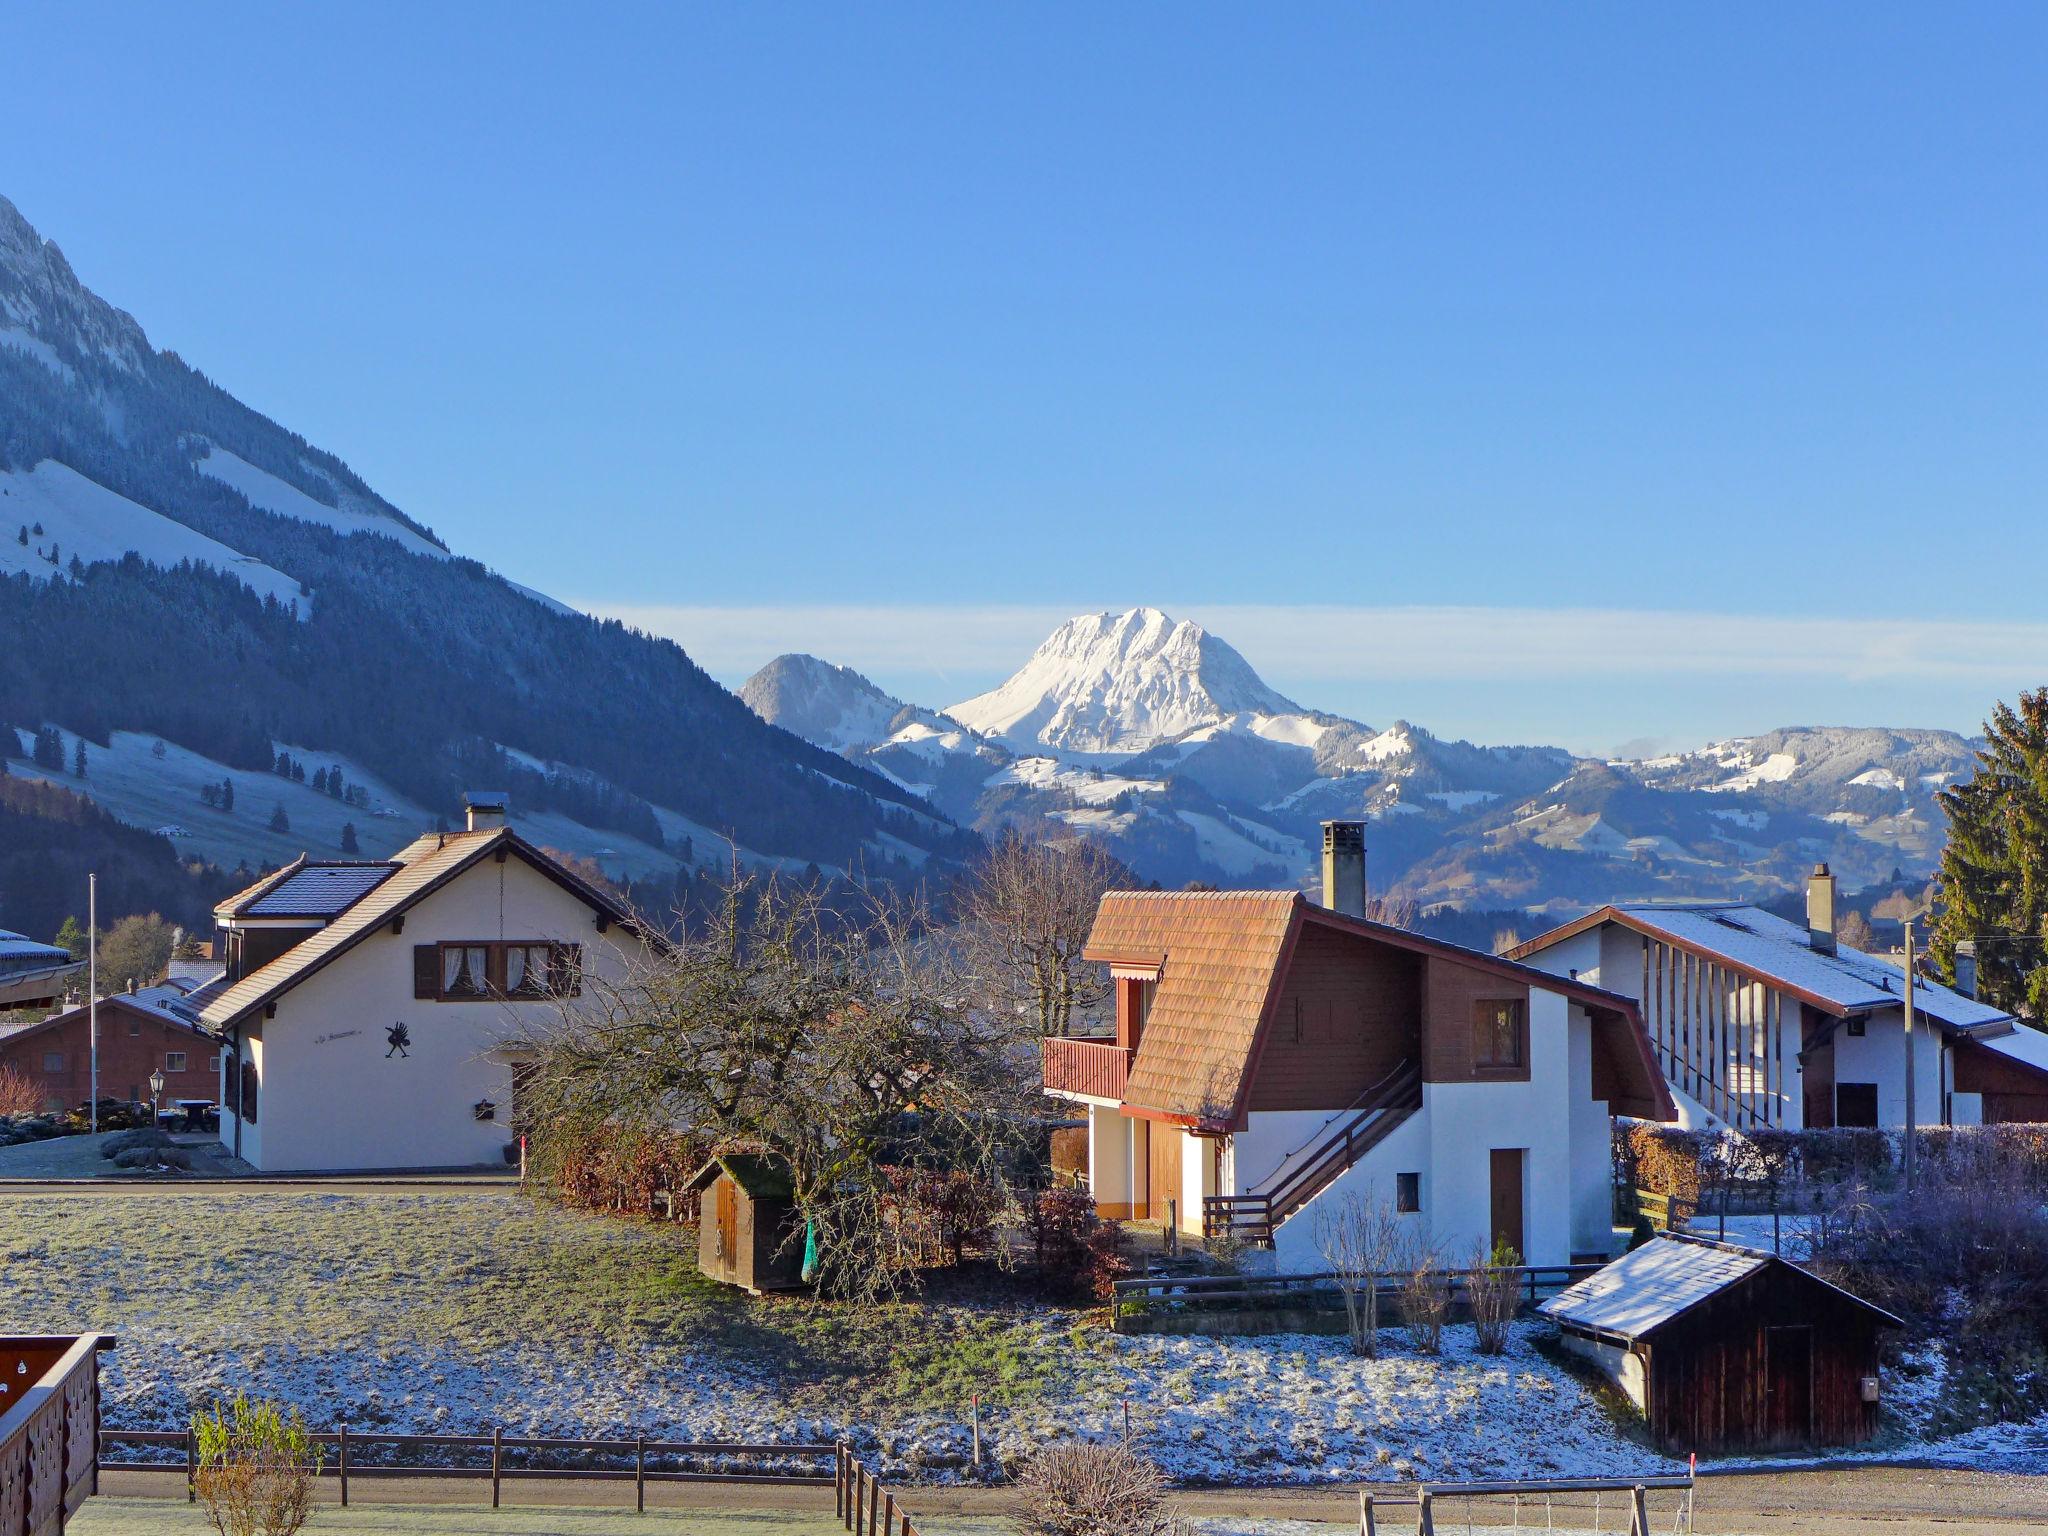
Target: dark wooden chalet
1727, 1349
747, 1213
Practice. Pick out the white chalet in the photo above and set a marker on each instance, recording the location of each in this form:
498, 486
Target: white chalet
368, 1007
1761, 1024
1272, 1054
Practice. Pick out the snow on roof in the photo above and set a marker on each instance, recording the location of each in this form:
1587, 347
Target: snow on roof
12, 944
1648, 1287
320, 890
1766, 945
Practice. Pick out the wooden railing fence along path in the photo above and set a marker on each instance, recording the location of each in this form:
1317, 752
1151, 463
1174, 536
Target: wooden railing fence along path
49, 1415
864, 1505
504, 1458
1156, 1294
1634, 1497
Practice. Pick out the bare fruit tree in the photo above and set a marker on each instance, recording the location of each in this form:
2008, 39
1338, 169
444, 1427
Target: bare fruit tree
1024, 914
1359, 1238
836, 1041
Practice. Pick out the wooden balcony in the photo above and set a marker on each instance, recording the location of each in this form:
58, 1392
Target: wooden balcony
49, 1427
1077, 1068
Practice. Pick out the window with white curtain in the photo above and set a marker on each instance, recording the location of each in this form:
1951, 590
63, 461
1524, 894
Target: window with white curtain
465, 970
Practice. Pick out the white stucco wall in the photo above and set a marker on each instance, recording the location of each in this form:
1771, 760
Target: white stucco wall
1296, 1246
1624, 1367
1592, 1147
1879, 1056
334, 1095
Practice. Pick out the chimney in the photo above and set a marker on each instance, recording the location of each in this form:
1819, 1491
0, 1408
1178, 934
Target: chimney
1966, 967
486, 808
1820, 910
133, 986
1344, 867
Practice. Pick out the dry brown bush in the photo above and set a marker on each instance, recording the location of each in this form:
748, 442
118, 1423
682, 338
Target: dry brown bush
1425, 1304
18, 1095
1081, 1488
1494, 1292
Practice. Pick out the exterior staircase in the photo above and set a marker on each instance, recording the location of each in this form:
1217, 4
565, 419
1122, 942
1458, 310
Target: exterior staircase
1253, 1217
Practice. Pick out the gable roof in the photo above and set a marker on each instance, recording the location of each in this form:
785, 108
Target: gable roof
761, 1174
1770, 949
1667, 1277
163, 1004
424, 866
1220, 956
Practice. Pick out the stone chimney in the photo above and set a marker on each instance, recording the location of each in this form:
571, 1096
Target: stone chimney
486, 808
1820, 910
1344, 867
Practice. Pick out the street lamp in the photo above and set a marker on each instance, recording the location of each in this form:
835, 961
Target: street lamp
156, 1088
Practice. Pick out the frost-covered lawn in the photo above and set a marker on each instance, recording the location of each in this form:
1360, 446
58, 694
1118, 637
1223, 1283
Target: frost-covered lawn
420, 1312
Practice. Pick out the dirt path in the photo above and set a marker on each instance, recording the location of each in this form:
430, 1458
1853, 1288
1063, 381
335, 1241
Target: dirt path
1895, 1501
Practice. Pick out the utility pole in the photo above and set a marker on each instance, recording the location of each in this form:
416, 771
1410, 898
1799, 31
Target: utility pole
92, 960
1912, 1105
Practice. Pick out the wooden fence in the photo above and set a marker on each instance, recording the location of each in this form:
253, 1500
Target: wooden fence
1158, 1300
514, 1457
49, 1411
863, 1504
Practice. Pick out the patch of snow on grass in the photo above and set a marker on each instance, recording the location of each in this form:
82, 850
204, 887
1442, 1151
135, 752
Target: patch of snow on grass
267, 493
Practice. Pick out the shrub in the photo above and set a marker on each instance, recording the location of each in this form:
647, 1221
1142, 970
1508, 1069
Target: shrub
937, 1214
1104, 1262
1494, 1290
1425, 1304
127, 1141
608, 1170
255, 1468
18, 1095
1084, 1489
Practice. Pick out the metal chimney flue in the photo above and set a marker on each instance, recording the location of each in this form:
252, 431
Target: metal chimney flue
1820, 910
1344, 867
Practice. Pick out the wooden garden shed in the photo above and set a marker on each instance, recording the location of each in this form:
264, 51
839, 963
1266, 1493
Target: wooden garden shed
746, 1215
1728, 1349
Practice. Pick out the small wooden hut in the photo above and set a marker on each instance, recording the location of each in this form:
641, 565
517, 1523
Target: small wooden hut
1728, 1349
747, 1213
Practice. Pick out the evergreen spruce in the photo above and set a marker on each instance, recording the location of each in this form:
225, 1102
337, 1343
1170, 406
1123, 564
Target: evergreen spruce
348, 838
78, 759
279, 822
227, 794
1994, 871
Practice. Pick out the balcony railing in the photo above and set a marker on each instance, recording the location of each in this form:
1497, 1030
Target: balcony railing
49, 1420
1095, 1069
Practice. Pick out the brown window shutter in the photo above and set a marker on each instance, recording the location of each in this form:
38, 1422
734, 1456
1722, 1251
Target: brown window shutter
426, 970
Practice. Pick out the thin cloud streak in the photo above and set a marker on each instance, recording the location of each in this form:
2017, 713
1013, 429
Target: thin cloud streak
1297, 647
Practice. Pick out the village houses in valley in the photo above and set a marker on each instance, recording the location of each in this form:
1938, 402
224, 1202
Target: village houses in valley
1762, 1024
369, 1009
142, 1033
1272, 1053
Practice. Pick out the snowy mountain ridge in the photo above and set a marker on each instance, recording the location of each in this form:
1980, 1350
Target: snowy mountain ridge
1118, 683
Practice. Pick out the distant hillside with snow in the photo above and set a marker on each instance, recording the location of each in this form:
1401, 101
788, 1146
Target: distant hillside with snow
179, 572
1156, 738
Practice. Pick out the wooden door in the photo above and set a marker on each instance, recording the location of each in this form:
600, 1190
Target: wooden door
1165, 1172
1788, 1386
1507, 1198
728, 1222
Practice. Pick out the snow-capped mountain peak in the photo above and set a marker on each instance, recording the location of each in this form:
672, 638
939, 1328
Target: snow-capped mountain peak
1120, 683
834, 707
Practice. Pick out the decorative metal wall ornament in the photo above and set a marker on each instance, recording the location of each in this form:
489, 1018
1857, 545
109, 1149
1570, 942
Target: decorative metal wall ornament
399, 1037
486, 1110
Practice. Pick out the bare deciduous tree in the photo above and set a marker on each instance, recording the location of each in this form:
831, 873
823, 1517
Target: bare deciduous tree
1025, 911
1358, 1238
837, 1042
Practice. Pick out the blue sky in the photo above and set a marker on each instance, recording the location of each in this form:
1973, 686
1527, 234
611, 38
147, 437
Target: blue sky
1702, 350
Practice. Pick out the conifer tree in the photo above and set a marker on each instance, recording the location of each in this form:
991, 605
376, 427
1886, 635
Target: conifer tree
279, 822
1994, 871
227, 794
348, 838
78, 759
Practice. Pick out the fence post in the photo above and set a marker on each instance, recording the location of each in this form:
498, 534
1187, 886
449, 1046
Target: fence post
1425, 1519
640, 1472
1368, 1524
191, 1467
497, 1461
888, 1513
344, 1466
1639, 1513
838, 1478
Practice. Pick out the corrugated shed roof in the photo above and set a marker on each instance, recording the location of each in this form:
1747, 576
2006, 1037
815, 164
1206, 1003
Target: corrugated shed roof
1219, 952
20, 944
1644, 1289
1647, 1288
319, 890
